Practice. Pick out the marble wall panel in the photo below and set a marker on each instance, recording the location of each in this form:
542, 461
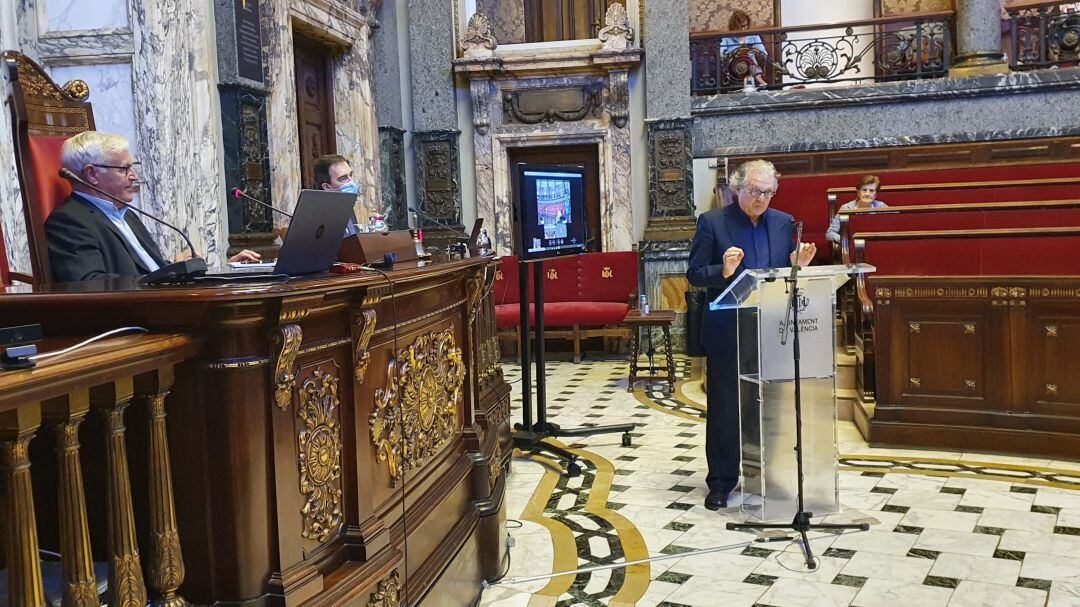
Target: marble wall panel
111, 96
387, 66
11, 215
68, 15
281, 109
355, 126
178, 127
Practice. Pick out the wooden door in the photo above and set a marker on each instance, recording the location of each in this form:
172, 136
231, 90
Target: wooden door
550, 20
587, 156
314, 105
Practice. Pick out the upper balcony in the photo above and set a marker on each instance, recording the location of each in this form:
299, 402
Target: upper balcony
883, 49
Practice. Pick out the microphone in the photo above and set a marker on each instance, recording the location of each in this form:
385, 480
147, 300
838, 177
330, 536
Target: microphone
434, 220
179, 271
238, 193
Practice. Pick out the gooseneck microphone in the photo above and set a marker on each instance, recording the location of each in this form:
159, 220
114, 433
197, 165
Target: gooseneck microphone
434, 220
178, 271
238, 193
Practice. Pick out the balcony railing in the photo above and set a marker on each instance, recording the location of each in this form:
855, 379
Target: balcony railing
904, 47
1044, 34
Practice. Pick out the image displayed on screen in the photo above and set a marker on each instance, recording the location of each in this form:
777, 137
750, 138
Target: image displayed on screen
552, 205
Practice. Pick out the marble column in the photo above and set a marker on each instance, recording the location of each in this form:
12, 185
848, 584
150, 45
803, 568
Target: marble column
431, 49
978, 38
666, 38
392, 177
174, 97
481, 92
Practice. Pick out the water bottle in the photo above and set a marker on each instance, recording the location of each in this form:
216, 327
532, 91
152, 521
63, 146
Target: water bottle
484, 242
643, 305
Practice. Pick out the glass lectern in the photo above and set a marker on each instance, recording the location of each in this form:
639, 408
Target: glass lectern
759, 300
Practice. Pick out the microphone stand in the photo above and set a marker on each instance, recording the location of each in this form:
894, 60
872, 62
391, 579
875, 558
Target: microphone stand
238, 193
801, 523
175, 272
463, 238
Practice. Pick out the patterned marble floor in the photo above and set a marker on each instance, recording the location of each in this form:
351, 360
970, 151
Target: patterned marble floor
955, 529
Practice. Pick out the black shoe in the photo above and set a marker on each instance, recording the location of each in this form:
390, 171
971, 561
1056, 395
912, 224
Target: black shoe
716, 500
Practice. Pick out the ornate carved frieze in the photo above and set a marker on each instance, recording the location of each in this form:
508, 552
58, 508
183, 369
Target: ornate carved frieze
474, 289
363, 327
287, 339
480, 91
388, 592
553, 105
618, 97
438, 177
478, 41
616, 34
319, 456
416, 413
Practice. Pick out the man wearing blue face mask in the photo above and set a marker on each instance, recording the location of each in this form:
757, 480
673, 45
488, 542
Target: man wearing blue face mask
333, 173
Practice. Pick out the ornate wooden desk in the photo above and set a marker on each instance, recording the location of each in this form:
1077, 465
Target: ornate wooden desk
334, 440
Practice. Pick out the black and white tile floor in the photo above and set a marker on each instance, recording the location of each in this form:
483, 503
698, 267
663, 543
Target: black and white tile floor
952, 529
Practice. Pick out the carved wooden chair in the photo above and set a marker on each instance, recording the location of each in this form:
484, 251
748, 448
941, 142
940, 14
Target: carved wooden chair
44, 115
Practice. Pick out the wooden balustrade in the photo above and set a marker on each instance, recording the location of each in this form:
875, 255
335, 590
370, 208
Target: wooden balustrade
60, 393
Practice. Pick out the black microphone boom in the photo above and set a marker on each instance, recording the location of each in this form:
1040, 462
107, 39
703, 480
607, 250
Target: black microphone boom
238, 193
434, 220
178, 271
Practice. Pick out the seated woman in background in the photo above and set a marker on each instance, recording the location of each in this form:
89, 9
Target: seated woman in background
756, 54
867, 190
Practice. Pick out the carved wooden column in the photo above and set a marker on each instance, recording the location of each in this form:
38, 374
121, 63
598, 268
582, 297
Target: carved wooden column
166, 568
65, 414
19, 526
125, 570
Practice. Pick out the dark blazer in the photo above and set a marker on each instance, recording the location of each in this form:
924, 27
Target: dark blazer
717, 231
84, 244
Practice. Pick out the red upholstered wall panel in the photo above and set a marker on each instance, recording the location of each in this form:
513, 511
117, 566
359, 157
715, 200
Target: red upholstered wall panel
1016, 256
966, 220
506, 282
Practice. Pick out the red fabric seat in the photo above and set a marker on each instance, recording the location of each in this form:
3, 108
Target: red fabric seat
564, 313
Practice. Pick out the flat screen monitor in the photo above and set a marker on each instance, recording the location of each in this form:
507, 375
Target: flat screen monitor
551, 210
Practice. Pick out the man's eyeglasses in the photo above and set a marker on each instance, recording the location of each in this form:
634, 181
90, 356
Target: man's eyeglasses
756, 193
126, 169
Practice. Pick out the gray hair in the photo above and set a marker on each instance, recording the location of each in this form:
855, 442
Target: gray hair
750, 167
90, 147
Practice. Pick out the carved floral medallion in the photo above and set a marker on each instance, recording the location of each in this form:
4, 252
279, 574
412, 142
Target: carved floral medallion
416, 413
320, 456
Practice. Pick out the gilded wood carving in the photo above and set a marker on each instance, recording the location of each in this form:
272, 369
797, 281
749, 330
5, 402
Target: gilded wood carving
416, 412
288, 337
320, 456
388, 592
363, 327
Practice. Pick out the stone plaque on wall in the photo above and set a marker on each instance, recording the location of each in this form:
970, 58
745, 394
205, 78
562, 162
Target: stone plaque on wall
392, 174
249, 59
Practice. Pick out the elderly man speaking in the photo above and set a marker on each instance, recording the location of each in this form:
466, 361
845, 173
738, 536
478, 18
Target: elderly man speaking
747, 235
90, 237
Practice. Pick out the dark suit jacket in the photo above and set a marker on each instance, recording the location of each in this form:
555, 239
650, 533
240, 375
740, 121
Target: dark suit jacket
717, 231
84, 244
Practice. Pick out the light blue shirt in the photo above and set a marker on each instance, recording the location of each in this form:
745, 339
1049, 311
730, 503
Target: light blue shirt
116, 216
730, 44
833, 233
